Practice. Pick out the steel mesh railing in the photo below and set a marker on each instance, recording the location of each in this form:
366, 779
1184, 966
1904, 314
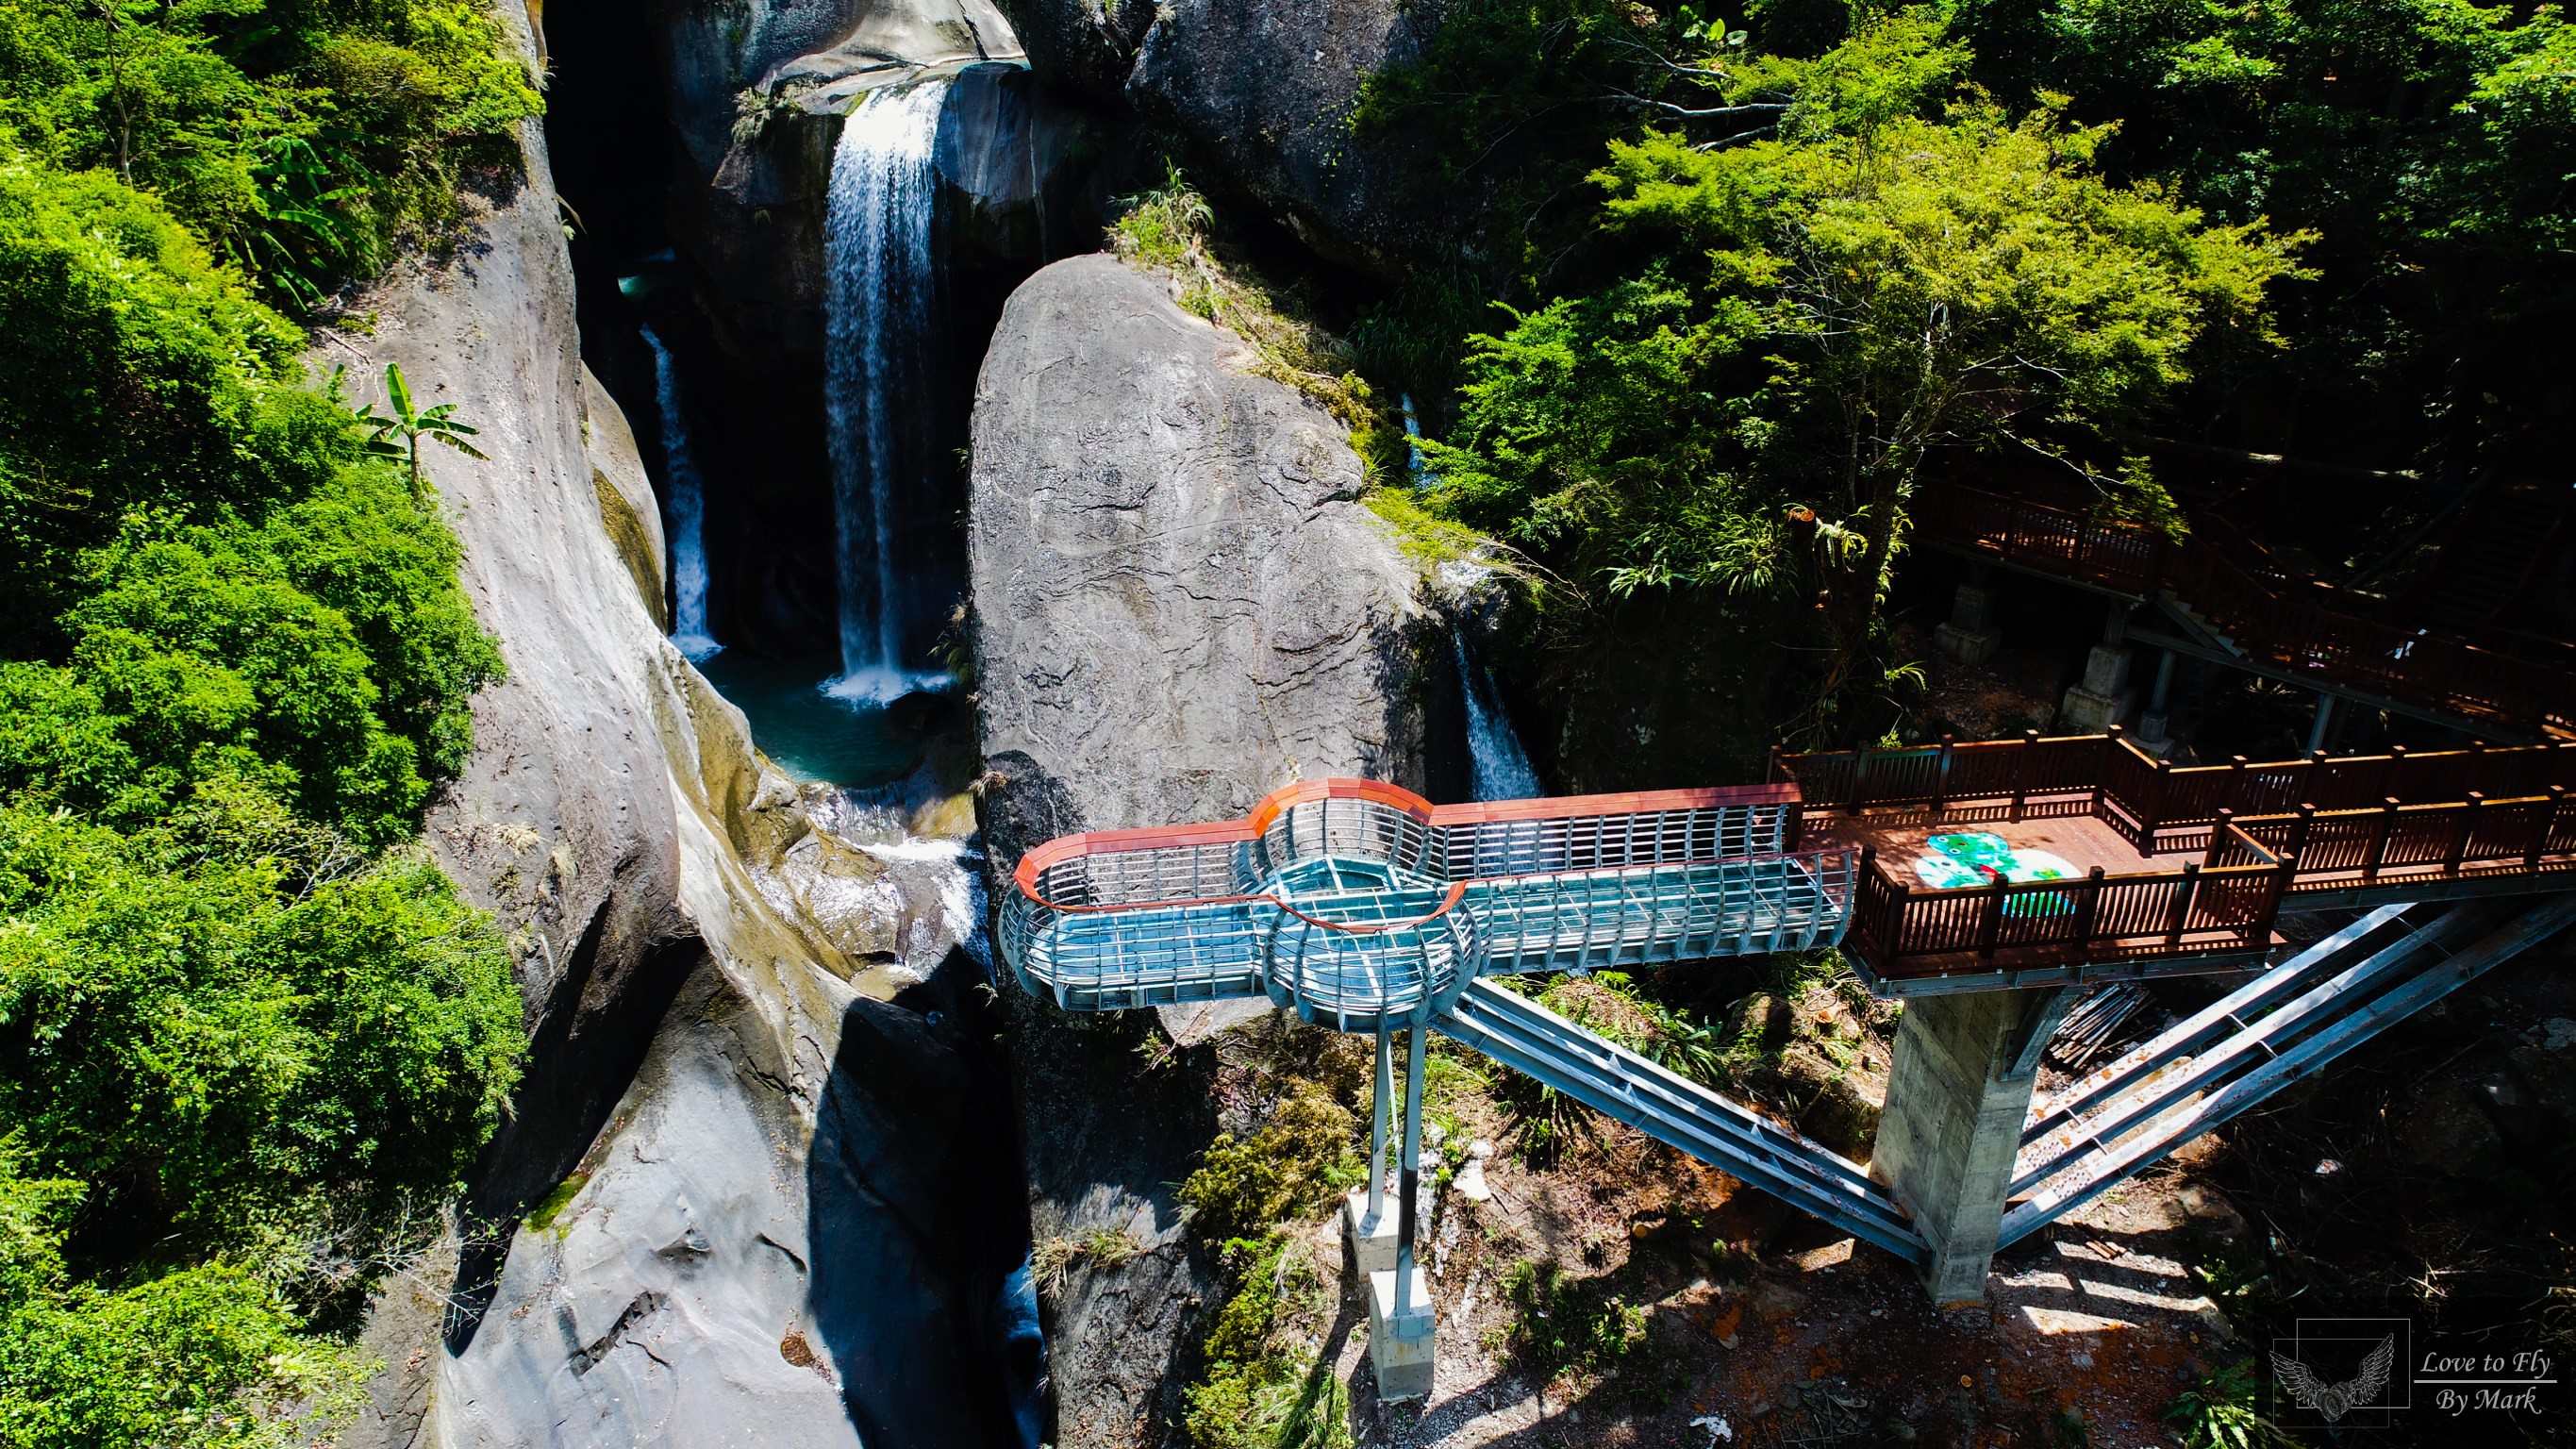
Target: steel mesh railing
1206, 912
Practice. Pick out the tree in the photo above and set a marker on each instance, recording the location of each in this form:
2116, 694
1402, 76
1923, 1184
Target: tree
1900, 267
399, 436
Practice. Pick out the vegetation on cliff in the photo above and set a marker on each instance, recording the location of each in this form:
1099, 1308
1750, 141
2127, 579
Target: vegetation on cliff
249, 1035
1765, 273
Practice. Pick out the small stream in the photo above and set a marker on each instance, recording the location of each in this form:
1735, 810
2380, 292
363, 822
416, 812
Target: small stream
685, 490
1499, 768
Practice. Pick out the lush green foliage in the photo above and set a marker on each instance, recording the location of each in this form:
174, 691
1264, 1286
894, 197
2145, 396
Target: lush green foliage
1895, 266
244, 1025
301, 138
1262, 1388
2222, 1412
1560, 1323
208, 1020
1294, 1164
201, 1356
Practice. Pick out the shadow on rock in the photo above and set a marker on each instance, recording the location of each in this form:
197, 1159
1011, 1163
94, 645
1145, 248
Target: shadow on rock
915, 1232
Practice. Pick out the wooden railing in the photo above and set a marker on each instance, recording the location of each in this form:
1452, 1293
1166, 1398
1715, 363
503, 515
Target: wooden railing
1901, 930
2302, 637
2262, 832
2157, 806
2392, 843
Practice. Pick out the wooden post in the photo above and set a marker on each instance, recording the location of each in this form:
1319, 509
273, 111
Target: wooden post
2396, 761
2157, 792
1941, 779
1860, 779
2379, 838
2021, 771
2299, 830
2088, 913
2218, 834
2180, 913
1990, 926
2110, 751
2549, 819
1772, 774
2460, 837
2282, 875
2236, 781
1862, 874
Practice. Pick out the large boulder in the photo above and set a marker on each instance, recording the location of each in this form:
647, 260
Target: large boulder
1179, 606
730, 1205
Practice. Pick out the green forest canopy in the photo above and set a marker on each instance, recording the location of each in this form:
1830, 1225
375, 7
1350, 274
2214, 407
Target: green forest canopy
248, 1033
1832, 244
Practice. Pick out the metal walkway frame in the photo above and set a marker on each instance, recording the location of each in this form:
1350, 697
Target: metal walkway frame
1362, 907
1358, 905
1679, 1113
2283, 1025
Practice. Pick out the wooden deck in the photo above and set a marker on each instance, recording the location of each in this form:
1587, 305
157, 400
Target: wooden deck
2083, 841
2193, 864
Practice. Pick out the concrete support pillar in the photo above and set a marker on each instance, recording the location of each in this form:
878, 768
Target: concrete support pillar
1400, 1317
2155, 728
1958, 1092
2324, 722
1365, 1220
1969, 635
2103, 697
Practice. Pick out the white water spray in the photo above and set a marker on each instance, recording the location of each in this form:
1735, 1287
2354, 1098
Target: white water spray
1499, 769
880, 305
688, 510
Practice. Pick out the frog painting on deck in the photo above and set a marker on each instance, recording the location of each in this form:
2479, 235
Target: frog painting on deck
1981, 857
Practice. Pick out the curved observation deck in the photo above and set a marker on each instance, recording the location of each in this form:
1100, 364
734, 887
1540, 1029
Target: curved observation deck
1357, 904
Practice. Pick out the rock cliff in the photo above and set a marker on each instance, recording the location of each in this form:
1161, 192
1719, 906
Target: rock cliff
1178, 607
1262, 91
728, 1207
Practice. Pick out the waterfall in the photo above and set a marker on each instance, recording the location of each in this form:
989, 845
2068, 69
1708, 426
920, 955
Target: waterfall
1500, 768
1420, 473
880, 307
681, 483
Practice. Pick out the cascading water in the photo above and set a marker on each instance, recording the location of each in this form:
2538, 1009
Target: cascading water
881, 305
688, 510
1499, 769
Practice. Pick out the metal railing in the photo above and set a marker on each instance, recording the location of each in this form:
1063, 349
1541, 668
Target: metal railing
1353, 901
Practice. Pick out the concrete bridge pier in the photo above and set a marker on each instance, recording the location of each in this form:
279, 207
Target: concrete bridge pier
1382, 1234
1958, 1093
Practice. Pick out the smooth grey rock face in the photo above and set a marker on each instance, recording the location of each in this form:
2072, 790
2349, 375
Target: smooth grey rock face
1179, 603
716, 50
1179, 607
1262, 90
754, 1239
1086, 45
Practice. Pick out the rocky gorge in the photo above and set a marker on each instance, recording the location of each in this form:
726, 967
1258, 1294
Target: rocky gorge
780, 1157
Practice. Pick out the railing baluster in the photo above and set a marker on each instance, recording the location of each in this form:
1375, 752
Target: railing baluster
2379, 838
2180, 912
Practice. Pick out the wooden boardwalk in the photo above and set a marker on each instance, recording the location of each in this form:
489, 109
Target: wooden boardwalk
2179, 869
